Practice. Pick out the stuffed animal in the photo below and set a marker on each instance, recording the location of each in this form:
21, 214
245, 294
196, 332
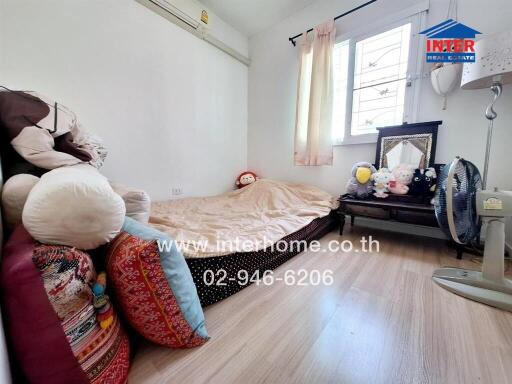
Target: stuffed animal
402, 174
423, 182
381, 180
360, 184
245, 179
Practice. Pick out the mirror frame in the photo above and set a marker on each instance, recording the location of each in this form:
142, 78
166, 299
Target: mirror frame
406, 130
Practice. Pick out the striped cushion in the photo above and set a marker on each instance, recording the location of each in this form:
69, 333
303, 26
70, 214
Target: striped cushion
55, 333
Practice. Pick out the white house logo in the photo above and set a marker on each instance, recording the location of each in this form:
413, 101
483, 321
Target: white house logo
450, 42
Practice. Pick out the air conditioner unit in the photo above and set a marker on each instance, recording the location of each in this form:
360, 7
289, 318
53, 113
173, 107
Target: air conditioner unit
176, 12
172, 13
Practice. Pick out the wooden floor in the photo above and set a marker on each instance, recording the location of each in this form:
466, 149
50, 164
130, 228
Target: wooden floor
382, 321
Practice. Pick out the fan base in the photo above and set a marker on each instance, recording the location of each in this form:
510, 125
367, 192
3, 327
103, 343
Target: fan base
472, 285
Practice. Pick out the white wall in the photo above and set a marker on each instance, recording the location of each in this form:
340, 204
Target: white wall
171, 108
272, 93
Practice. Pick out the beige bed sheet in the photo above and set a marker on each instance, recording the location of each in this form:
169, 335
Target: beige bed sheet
246, 220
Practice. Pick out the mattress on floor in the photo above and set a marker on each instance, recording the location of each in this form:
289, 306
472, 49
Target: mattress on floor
245, 220
206, 270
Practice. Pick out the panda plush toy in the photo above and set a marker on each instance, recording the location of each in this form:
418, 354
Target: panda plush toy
423, 182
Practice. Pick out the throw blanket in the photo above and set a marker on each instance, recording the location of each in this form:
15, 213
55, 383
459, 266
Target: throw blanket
246, 220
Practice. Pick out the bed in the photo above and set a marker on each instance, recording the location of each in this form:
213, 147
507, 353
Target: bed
231, 239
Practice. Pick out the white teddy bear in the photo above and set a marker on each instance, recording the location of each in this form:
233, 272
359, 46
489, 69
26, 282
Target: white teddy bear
381, 180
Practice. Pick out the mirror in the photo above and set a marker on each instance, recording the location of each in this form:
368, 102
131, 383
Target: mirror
412, 144
414, 151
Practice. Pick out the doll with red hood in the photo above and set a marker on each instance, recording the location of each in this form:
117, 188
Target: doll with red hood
245, 179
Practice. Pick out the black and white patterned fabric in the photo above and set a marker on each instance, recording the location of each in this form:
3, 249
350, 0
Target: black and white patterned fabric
251, 262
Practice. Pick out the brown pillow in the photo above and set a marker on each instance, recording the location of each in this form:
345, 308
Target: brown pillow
39, 129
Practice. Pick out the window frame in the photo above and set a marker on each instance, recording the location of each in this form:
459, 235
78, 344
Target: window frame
417, 20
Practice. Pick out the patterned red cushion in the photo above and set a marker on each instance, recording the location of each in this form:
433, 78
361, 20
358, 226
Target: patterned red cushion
144, 294
51, 321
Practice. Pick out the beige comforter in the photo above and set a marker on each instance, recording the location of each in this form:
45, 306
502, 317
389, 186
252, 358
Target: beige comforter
249, 219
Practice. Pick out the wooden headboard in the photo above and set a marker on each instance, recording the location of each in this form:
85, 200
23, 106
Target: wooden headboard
5, 373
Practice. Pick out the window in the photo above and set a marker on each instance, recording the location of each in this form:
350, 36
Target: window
371, 85
379, 80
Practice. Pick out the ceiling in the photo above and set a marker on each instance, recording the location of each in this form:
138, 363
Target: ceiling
253, 16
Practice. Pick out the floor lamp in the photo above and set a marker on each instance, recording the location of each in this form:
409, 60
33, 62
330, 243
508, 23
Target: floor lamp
492, 68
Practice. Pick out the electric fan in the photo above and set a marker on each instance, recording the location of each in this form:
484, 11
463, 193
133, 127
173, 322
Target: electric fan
461, 205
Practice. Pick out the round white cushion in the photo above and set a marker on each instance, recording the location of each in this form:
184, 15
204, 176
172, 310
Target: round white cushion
14, 196
137, 202
74, 206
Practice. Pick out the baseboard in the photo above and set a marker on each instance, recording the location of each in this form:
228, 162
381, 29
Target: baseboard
410, 229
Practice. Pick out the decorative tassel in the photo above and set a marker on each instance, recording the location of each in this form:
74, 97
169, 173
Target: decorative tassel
101, 302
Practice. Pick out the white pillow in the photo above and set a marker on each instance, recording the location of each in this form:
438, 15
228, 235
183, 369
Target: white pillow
14, 196
74, 206
137, 202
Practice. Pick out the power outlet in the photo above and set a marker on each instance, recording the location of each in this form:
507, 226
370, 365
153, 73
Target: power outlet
177, 191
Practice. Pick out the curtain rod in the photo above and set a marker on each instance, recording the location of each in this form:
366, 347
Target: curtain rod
292, 39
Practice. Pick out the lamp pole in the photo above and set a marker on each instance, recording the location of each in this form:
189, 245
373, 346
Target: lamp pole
490, 114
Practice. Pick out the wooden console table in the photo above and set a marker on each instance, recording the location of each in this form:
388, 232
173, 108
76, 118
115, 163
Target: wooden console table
402, 209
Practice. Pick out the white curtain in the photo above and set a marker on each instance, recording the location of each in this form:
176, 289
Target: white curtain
313, 132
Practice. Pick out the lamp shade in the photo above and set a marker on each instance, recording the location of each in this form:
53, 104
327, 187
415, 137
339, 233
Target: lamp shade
493, 62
